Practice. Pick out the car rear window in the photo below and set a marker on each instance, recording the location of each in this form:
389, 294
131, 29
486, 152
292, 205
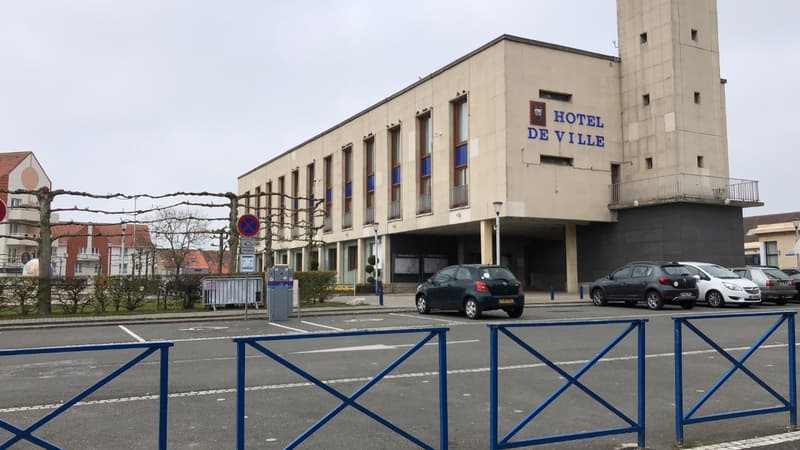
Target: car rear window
496, 273
675, 270
776, 274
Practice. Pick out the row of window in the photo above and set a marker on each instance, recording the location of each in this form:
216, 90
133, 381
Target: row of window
424, 147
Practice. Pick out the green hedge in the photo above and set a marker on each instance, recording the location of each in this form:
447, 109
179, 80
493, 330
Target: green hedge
315, 286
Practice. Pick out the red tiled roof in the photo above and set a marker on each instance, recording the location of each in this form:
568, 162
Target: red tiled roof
113, 232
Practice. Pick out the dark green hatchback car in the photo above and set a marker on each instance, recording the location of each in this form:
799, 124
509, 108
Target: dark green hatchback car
471, 289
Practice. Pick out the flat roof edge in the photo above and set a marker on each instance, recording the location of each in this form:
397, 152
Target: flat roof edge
493, 42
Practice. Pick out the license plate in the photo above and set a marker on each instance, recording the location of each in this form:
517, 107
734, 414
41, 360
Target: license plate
506, 301
686, 294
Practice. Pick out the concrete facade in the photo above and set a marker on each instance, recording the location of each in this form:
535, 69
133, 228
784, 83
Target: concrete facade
567, 140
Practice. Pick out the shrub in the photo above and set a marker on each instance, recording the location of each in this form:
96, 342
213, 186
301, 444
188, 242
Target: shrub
72, 293
22, 293
315, 286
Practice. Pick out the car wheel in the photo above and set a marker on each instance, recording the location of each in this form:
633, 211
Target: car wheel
472, 309
515, 312
654, 300
688, 305
714, 299
422, 305
599, 297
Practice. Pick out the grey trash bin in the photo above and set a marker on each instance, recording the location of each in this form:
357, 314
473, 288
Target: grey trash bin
280, 282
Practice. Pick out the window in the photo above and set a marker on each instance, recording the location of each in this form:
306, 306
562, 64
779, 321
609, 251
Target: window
295, 199
555, 160
14, 228
697, 98
648, 163
328, 182
15, 202
753, 259
641, 271
643, 38
425, 161
331, 259
445, 274
281, 201
269, 201
347, 155
771, 248
460, 194
646, 99
395, 156
352, 258
369, 180
694, 35
553, 95
700, 161
463, 274
310, 188
622, 274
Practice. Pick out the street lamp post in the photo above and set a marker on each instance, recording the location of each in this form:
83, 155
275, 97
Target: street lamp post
378, 290
796, 224
497, 205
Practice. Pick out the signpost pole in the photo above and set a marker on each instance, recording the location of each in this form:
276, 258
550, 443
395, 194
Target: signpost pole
247, 226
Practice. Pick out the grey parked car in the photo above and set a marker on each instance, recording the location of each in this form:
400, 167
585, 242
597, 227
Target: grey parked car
775, 285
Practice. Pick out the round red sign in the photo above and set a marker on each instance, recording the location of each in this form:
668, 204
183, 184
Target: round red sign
2, 210
248, 225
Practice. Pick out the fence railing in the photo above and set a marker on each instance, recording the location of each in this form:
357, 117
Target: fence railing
351, 400
684, 187
789, 404
424, 203
19, 434
634, 425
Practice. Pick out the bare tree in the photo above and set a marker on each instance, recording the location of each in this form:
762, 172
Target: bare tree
179, 231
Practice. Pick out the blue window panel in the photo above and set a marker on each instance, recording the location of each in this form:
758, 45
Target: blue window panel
395, 175
296, 203
425, 168
370, 183
328, 195
462, 155
348, 190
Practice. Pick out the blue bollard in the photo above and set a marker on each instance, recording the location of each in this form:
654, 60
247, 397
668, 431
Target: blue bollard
552, 294
380, 297
580, 292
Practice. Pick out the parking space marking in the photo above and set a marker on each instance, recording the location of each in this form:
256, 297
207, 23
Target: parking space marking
134, 335
754, 442
321, 325
450, 321
296, 330
362, 348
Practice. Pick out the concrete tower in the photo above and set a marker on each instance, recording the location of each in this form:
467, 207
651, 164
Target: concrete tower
673, 100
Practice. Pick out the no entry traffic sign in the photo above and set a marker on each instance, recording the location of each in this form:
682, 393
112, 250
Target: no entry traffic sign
248, 225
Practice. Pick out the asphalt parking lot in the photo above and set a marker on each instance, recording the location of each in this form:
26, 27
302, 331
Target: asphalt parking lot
280, 405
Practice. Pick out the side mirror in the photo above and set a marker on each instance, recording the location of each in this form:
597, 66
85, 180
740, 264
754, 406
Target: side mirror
697, 277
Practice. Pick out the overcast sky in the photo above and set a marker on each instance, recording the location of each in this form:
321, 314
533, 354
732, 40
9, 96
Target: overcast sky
157, 96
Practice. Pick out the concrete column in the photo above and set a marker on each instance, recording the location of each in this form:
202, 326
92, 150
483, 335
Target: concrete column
571, 243
385, 254
321, 257
306, 263
361, 265
339, 262
487, 231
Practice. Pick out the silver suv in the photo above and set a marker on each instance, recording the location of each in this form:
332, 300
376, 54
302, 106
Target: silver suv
775, 285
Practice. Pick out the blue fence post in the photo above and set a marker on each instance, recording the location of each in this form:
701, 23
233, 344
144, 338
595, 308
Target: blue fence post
240, 352
580, 292
443, 436
163, 397
552, 293
792, 373
678, 355
493, 388
641, 384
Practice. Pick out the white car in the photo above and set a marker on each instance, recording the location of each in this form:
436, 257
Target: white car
718, 285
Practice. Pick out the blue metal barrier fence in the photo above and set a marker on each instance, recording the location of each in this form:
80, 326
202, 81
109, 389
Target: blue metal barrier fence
346, 401
786, 404
634, 426
19, 434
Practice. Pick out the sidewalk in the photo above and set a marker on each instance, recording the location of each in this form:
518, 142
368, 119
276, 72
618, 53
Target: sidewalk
391, 303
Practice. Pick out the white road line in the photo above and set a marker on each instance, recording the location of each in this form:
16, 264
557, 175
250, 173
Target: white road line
135, 336
298, 330
424, 318
321, 325
365, 379
753, 443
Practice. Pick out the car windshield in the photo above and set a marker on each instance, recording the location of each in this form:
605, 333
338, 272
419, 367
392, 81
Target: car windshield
496, 273
718, 271
675, 270
776, 274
